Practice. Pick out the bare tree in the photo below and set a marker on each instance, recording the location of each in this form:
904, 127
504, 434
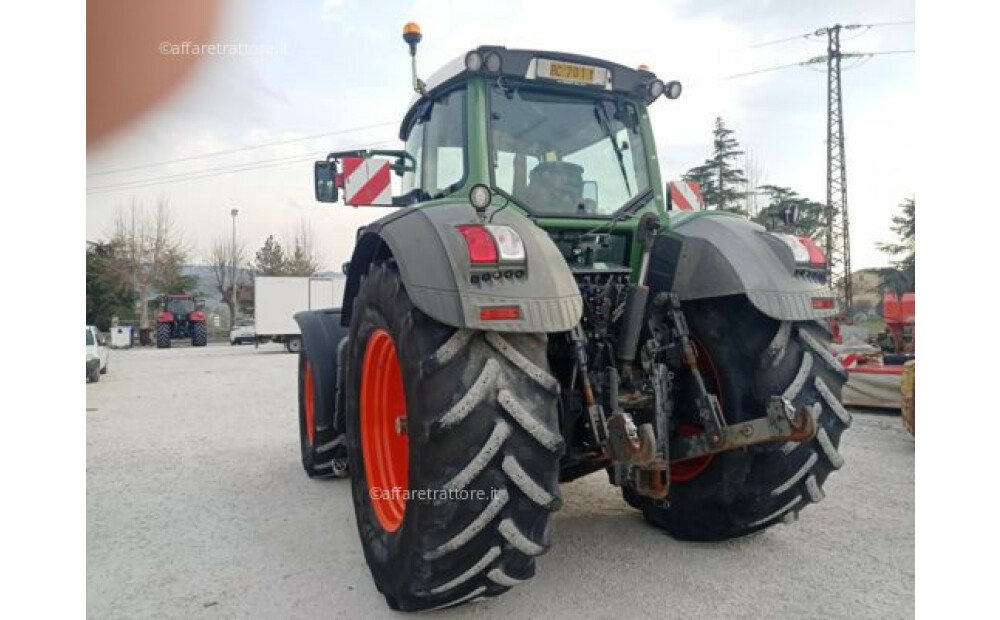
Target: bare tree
302, 259
149, 251
223, 256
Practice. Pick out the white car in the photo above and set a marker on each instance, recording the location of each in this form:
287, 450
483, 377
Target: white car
242, 332
97, 354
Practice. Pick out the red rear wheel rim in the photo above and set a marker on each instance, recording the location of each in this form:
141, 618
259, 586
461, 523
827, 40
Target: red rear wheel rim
384, 443
310, 404
685, 471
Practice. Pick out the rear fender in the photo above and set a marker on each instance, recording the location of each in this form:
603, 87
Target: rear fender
322, 334
165, 317
715, 255
197, 317
433, 262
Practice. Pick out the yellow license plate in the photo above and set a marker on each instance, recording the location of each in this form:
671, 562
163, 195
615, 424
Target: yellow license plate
576, 73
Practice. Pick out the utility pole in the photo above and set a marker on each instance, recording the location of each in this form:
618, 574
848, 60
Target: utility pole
838, 232
232, 318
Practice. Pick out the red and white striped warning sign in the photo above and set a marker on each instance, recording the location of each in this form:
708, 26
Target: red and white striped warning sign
366, 181
685, 196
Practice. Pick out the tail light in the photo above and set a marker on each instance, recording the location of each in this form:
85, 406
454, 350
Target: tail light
482, 248
508, 242
492, 244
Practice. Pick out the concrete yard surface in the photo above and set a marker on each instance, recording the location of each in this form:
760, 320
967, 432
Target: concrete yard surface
198, 508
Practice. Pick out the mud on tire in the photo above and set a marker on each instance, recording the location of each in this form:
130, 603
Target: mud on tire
481, 417
746, 491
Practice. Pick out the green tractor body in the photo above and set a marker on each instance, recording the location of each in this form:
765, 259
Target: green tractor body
532, 312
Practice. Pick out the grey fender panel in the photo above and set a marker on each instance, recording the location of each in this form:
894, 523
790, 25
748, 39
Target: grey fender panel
434, 264
714, 256
322, 332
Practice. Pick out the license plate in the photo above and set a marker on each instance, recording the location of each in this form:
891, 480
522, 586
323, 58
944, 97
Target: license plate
571, 72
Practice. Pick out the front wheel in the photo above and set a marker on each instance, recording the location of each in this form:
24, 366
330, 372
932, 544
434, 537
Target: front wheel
745, 357
454, 445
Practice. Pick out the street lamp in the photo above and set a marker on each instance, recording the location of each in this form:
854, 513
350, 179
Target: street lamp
232, 318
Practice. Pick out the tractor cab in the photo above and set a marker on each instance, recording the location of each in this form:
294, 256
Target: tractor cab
550, 134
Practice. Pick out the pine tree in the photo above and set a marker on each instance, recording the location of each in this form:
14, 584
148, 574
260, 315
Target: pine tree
720, 178
902, 277
270, 259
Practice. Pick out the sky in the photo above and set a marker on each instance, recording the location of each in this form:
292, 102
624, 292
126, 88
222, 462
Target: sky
315, 72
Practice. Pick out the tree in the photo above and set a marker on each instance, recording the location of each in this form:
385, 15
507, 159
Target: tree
811, 220
721, 181
303, 260
269, 259
225, 253
107, 297
902, 276
150, 252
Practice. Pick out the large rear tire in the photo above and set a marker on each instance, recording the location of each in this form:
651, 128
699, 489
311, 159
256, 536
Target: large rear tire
747, 357
163, 335
199, 334
479, 439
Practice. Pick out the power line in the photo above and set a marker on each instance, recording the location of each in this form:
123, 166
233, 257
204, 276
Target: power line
755, 72
211, 172
777, 41
197, 174
241, 149
898, 23
815, 60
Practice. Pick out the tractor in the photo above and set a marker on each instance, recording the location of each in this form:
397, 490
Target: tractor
181, 316
531, 312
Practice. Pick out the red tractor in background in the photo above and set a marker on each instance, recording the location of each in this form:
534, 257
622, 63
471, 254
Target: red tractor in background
181, 316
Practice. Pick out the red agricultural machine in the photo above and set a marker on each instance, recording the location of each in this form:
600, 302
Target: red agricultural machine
181, 316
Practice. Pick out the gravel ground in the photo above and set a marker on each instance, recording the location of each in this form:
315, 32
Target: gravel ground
197, 507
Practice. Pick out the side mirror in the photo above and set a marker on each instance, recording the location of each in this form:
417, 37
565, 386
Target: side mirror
324, 174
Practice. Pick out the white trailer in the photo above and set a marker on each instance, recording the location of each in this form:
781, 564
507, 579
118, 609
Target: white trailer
278, 298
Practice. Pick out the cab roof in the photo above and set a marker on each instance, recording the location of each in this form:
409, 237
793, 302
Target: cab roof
521, 65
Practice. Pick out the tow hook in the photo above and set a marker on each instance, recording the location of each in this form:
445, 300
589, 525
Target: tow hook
630, 445
634, 453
